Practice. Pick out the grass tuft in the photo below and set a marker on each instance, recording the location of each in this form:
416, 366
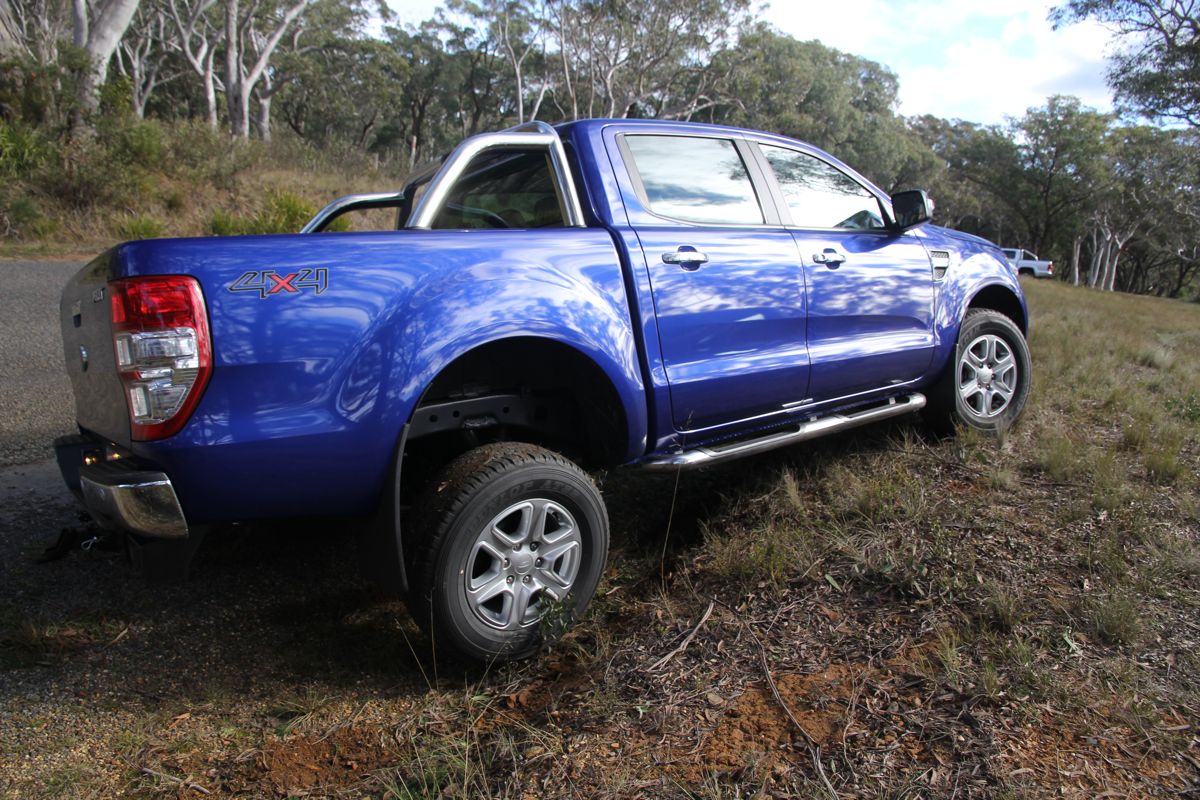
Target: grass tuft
1113, 619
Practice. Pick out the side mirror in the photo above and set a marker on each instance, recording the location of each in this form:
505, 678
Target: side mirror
911, 208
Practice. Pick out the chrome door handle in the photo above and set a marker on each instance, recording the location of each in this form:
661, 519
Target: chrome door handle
830, 257
682, 256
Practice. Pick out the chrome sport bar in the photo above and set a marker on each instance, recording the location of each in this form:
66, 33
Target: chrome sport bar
528, 136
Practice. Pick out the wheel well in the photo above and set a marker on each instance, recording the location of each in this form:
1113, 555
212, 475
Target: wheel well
528, 390
1001, 299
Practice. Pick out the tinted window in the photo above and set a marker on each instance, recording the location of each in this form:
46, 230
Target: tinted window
820, 195
503, 189
694, 179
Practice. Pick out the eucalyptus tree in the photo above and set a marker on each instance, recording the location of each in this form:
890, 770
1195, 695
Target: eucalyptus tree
146, 52
251, 35
837, 101
1060, 170
97, 29
1157, 70
198, 34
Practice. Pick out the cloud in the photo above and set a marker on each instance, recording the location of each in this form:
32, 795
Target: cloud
966, 59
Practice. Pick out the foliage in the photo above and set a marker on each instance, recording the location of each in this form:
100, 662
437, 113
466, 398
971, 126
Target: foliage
1158, 72
1112, 204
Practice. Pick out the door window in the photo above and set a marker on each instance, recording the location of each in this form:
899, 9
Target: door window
821, 196
695, 179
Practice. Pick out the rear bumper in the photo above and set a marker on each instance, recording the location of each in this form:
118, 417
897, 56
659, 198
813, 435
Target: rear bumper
120, 497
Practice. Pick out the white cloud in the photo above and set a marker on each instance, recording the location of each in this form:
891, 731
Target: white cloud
970, 59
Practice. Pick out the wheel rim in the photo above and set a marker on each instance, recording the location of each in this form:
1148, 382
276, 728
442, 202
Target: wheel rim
987, 376
527, 557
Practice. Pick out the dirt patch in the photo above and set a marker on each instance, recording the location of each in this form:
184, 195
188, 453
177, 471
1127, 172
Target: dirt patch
341, 759
1087, 758
756, 731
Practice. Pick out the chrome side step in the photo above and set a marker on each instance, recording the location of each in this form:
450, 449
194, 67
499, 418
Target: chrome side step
703, 456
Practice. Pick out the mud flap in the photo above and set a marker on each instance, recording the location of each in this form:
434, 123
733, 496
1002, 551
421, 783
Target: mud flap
380, 545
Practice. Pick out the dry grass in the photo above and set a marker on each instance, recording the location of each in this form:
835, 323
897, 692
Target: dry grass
149, 180
962, 617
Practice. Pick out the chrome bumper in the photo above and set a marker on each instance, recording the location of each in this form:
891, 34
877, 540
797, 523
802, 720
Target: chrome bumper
138, 501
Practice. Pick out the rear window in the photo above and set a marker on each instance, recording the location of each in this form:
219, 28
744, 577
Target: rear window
695, 179
504, 189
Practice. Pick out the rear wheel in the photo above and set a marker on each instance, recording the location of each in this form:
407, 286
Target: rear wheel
986, 384
515, 535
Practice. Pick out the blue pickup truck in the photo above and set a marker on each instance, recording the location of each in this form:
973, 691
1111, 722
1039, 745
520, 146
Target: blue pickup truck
553, 299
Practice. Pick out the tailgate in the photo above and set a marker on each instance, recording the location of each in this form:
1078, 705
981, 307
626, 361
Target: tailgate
85, 313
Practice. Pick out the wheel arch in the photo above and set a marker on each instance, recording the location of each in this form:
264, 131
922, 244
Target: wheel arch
550, 372
1002, 299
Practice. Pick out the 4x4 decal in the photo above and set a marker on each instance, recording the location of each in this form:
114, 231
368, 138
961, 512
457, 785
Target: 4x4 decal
266, 282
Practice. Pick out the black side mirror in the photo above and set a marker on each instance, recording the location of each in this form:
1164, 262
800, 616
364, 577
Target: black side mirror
911, 208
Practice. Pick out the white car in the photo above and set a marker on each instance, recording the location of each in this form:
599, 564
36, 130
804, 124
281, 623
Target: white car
1026, 263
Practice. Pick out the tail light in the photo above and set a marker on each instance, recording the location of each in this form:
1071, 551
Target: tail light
163, 349
1050, 268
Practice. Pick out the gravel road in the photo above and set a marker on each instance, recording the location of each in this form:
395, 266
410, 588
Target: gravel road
35, 395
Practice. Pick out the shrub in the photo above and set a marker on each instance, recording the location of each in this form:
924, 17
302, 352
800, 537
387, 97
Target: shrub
139, 144
284, 213
20, 217
22, 151
224, 223
139, 226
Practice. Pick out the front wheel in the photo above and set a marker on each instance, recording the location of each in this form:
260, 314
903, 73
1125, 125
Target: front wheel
516, 536
987, 382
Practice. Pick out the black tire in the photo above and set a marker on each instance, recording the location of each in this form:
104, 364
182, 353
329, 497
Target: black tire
465, 509
981, 410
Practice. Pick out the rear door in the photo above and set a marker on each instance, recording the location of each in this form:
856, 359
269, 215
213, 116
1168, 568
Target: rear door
870, 290
727, 283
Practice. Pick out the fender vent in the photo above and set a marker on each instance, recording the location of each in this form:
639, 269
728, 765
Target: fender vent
940, 260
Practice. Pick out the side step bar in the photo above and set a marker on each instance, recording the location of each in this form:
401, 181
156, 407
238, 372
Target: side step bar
703, 456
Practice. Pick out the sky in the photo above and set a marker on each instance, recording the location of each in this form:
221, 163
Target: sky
976, 60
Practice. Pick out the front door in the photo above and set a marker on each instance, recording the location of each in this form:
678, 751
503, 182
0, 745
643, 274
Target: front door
870, 290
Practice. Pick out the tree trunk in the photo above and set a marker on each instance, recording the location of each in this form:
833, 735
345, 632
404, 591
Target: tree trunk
98, 38
1076, 246
235, 98
264, 113
210, 88
240, 80
10, 38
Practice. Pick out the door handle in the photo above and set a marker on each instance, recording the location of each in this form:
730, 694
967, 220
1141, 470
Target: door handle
688, 258
830, 257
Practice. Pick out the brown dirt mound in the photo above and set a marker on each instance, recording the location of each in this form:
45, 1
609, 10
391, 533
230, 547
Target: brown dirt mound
304, 763
756, 731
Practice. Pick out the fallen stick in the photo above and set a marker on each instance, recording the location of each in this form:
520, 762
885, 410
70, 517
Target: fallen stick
181, 781
814, 749
662, 662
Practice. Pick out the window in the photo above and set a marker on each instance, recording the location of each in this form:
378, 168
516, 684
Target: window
695, 179
820, 195
504, 189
